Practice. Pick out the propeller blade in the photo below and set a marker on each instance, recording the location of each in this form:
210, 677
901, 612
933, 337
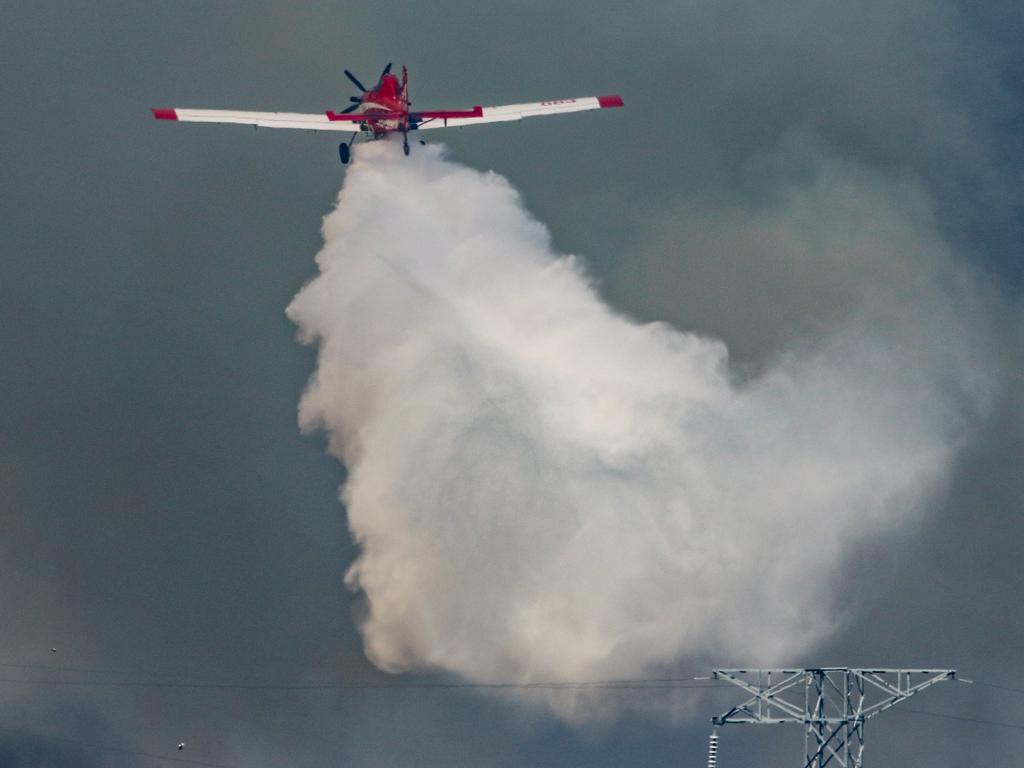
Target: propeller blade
353, 108
352, 77
356, 99
386, 69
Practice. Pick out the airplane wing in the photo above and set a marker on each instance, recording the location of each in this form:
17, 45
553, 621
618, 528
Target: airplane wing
339, 121
441, 119
298, 120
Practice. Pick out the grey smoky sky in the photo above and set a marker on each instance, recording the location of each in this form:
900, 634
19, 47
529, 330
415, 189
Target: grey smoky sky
162, 519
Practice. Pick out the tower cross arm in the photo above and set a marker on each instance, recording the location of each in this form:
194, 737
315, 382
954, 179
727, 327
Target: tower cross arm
904, 687
764, 698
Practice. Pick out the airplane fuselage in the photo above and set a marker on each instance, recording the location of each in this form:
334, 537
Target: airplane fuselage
389, 99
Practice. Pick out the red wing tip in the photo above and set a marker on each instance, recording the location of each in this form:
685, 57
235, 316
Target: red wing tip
164, 114
609, 101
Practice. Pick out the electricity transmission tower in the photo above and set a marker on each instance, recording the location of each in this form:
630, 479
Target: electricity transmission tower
832, 703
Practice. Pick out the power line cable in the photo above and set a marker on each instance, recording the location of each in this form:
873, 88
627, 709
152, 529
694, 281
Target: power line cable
961, 718
652, 683
629, 683
664, 683
598, 685
1000, 687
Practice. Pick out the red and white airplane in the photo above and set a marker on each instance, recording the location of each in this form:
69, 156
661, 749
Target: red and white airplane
384, 109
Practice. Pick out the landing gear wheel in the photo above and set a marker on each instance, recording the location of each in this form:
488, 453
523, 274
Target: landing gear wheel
405, 145
344, 153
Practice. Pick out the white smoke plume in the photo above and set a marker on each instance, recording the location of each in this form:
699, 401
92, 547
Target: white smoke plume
543, 489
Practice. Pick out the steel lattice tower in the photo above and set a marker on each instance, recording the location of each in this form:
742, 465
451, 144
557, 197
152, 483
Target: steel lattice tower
832, 703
